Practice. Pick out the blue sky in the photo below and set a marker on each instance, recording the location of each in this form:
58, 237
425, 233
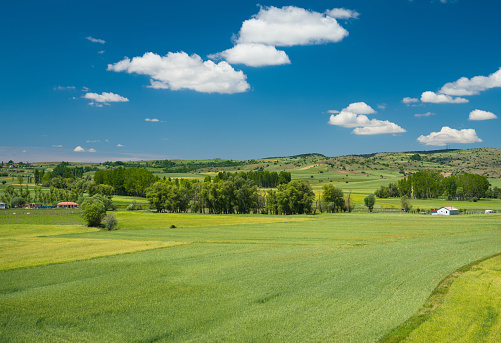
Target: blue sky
109, 80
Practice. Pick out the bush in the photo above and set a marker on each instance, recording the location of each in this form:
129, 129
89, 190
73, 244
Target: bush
17, 201
134, 206
93, 211
110, 221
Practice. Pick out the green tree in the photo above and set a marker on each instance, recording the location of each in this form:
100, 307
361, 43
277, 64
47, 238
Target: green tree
17, 202
370, 201
93, 211
333, 197
406, 203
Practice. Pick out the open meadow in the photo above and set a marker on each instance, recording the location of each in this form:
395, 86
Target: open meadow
350, 277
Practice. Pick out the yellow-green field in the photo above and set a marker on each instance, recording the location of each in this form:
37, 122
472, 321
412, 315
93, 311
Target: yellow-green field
350, 277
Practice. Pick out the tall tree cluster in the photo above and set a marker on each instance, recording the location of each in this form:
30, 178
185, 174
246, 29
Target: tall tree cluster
427, 184
263, 179
234, 194
126, 181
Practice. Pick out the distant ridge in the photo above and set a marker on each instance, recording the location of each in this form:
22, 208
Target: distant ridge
424, 152
296, 156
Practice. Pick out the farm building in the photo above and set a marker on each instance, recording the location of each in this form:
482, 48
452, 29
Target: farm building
447, 211
3, 206
32, 205
67, 204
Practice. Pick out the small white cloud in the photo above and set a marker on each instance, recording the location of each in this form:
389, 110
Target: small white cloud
342, 13
95, 40
354, 116
79, 149
253, 55
120, 145
57, 146
25, 151
408, 100
178, 70
435, 98
333, 111
107, 141
473, 86
360, 108
92, 141
289, 26
100, 52
449, 136
91, 150
379, 127
481, 115
427, 114
60, 88
381, 106
154, 120
85, 89
104, 98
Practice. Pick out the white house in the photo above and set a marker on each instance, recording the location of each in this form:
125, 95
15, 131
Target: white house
3, 206
447, 211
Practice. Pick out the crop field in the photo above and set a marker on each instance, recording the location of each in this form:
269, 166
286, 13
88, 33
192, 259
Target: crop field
470, 312
323, 278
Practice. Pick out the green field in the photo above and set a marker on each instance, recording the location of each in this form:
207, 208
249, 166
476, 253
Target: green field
323, 278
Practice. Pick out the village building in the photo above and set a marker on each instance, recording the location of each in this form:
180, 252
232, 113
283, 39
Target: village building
32, 205
3, 206
447, 211
67, 204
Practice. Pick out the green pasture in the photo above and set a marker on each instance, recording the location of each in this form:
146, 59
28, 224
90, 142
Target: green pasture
324, 278
470, 311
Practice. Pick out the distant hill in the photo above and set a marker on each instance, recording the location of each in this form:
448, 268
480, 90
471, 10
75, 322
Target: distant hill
483, 161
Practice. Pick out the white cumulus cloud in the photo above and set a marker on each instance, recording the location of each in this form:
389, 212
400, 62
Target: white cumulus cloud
354, 116
91, 150
481, 115
120, 145
435, 98
360, 108
473, 86
95, 40
448, 136
104, 98
79, 149
178, 70
155, 120
289, 26
254, 55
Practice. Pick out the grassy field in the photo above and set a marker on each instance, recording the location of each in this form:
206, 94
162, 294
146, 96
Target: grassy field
342, 278
470, 311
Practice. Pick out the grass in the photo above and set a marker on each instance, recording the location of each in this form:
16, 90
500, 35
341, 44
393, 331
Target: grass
29, 245
346, 278
150, 220
470, 310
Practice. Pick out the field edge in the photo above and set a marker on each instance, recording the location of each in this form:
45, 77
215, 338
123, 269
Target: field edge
434, 301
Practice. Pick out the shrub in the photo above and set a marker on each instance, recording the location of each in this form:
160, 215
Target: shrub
93, 211
17, 201
110, 221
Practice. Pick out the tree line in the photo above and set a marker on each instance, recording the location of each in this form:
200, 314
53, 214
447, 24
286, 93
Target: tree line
263, 179
126, 181
428, 183
235, 194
